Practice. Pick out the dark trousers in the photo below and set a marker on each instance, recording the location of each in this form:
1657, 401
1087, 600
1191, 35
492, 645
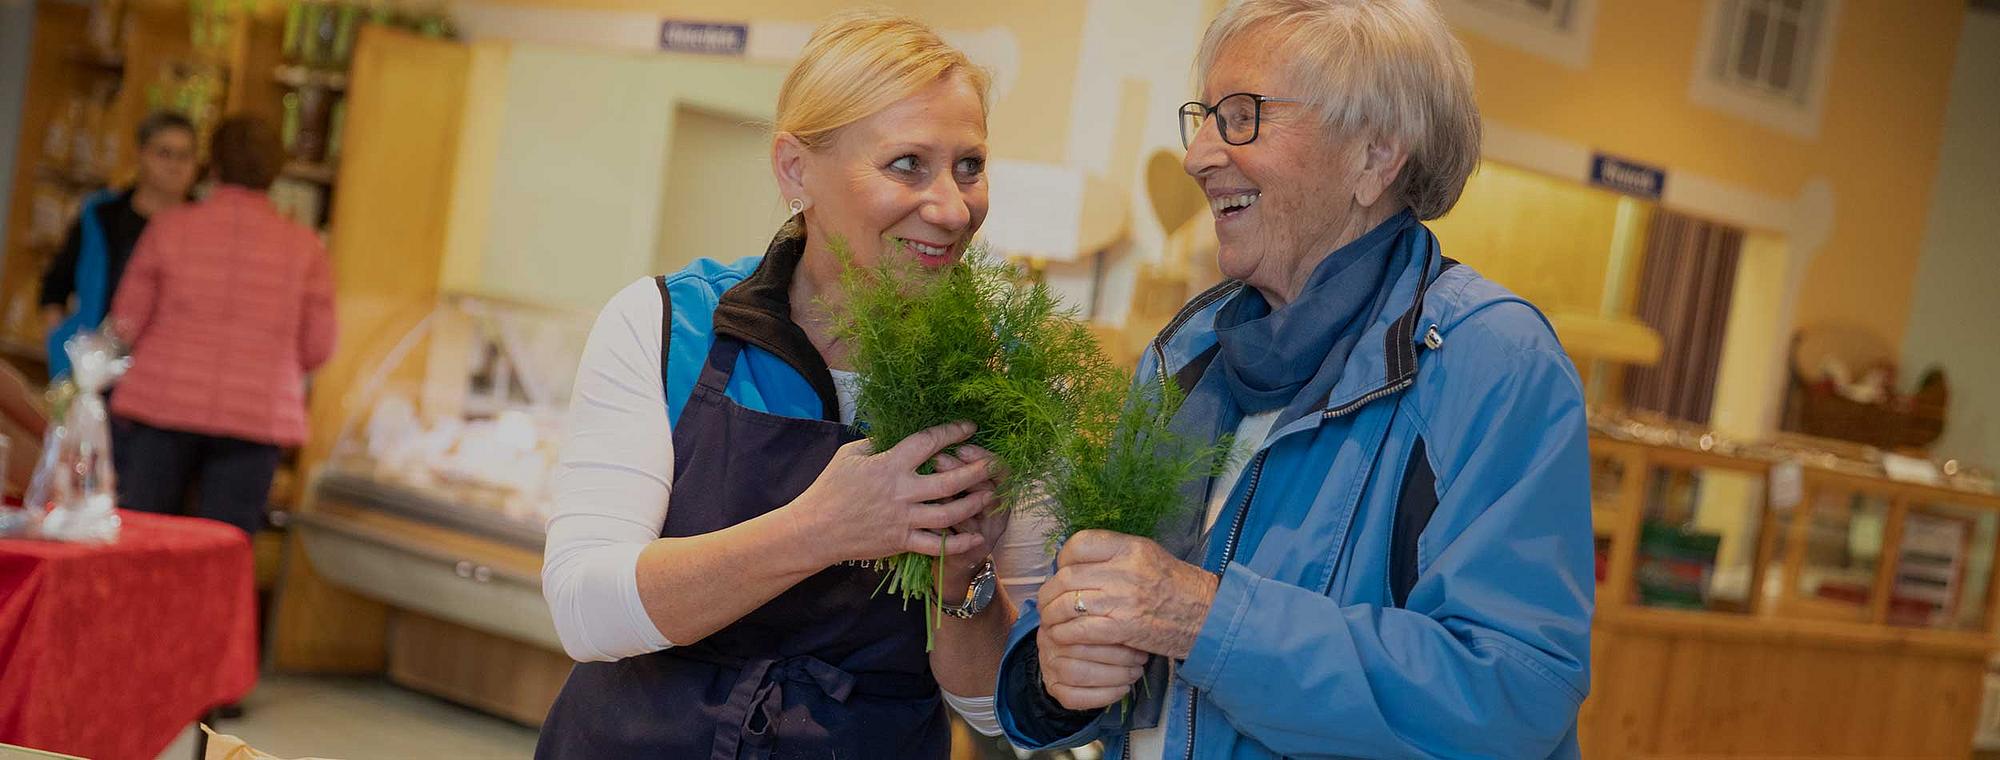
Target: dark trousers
158, 468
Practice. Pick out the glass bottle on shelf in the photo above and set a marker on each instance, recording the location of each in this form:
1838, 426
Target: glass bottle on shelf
292, 48
56, 141
106, 25
334, 123
322, 33
310, 143
346, 26
288, 125
83, 141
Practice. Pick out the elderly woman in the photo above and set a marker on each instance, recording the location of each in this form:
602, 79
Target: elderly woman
1401, 565
707, 563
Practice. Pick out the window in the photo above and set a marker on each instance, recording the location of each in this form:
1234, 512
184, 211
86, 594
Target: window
1766, 61
1558, 30
1770, 45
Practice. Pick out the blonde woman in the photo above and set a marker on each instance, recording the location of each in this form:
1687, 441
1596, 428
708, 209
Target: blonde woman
715, 507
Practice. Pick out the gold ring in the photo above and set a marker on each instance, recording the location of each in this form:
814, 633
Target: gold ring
1078, 606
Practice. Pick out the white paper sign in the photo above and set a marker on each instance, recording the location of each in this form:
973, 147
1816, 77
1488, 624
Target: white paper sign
1910, 469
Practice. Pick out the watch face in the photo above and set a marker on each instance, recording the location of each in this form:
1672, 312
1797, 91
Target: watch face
982, 592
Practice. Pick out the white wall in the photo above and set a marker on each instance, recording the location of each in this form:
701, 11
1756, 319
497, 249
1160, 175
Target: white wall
1133, 71
1956, 307
720, 201
581, 164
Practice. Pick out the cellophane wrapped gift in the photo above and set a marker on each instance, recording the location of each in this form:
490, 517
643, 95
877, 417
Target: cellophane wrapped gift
75, 491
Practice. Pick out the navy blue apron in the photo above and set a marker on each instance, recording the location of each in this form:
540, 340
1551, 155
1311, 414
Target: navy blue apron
828, 669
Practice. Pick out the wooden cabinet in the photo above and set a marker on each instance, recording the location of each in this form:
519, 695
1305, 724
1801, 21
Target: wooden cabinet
1850, 618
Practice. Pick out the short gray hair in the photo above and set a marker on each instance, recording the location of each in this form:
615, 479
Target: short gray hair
1375, 68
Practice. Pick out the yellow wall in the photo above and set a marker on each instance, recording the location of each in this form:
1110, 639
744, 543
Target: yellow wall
1876, 147
1030, 123
1546, 239
1877, 143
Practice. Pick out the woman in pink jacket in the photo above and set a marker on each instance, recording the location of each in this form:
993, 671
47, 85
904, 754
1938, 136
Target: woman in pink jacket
226, 305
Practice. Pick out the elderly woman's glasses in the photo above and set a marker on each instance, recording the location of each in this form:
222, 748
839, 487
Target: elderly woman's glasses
1237, 117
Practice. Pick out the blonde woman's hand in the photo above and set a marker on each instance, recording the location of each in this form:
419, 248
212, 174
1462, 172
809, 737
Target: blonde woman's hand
868, 505
989, 524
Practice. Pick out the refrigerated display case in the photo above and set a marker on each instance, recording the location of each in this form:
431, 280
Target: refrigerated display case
432, 499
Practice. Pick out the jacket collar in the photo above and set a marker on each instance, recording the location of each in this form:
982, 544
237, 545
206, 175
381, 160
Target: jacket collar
228, 193
1383, 362
758, 310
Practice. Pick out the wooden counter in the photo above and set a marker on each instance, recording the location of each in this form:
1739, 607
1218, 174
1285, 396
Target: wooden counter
1783, 674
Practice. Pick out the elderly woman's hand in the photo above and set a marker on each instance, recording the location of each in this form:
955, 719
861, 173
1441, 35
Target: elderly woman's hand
1119, 590
1087, 676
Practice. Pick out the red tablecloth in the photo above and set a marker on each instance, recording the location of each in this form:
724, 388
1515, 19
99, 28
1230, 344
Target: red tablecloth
110, 651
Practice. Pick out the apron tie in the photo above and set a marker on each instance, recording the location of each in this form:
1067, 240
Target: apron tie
757, 701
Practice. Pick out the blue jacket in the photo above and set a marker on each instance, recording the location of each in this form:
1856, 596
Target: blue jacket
779, 371
1406, 572
92, 279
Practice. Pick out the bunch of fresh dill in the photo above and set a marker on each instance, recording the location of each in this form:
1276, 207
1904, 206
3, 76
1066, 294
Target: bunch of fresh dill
1124, 467
971, 342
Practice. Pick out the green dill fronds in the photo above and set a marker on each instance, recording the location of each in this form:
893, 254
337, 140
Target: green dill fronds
969, 342
1126, 466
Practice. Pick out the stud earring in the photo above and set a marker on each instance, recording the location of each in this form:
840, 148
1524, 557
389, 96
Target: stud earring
798, 206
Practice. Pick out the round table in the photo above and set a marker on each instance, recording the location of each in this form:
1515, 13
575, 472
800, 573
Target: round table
110, 651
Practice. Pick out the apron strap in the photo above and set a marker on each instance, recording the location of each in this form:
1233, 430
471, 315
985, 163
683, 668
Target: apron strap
721, 363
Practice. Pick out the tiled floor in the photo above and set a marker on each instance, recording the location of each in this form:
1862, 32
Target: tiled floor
362, 719
296, 716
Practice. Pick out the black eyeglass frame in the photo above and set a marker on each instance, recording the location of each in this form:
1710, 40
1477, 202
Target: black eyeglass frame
1208, 113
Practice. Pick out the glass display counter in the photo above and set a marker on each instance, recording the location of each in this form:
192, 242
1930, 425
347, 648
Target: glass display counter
432, 499
459, 422
1753, 594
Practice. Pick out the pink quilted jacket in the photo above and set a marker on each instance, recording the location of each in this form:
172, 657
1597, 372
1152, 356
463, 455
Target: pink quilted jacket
227, 306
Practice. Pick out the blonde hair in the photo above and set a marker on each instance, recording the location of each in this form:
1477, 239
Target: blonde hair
859, 62
1375, 68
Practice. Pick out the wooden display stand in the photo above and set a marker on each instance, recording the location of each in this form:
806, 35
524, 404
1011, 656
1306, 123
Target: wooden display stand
65, 67
1790, 676
388, 242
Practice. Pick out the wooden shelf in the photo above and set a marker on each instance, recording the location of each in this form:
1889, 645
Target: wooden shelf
97, 61
300, 76
69, 180
15, 348
310, 172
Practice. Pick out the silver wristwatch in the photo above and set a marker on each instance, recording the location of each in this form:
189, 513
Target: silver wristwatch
977, 595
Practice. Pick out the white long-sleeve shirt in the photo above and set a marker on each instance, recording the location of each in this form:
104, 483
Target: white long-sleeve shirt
614, 479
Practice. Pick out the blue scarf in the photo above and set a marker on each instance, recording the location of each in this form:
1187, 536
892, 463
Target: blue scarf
1291, 357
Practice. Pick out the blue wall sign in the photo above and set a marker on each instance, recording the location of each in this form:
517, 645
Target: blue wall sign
704, 38
1628, 177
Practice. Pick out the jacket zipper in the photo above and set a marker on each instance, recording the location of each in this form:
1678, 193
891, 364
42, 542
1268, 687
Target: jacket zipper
1367, 398
1160, 366
1255, 474
1228, 555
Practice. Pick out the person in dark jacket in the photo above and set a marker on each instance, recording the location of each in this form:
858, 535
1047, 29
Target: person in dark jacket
100, 241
